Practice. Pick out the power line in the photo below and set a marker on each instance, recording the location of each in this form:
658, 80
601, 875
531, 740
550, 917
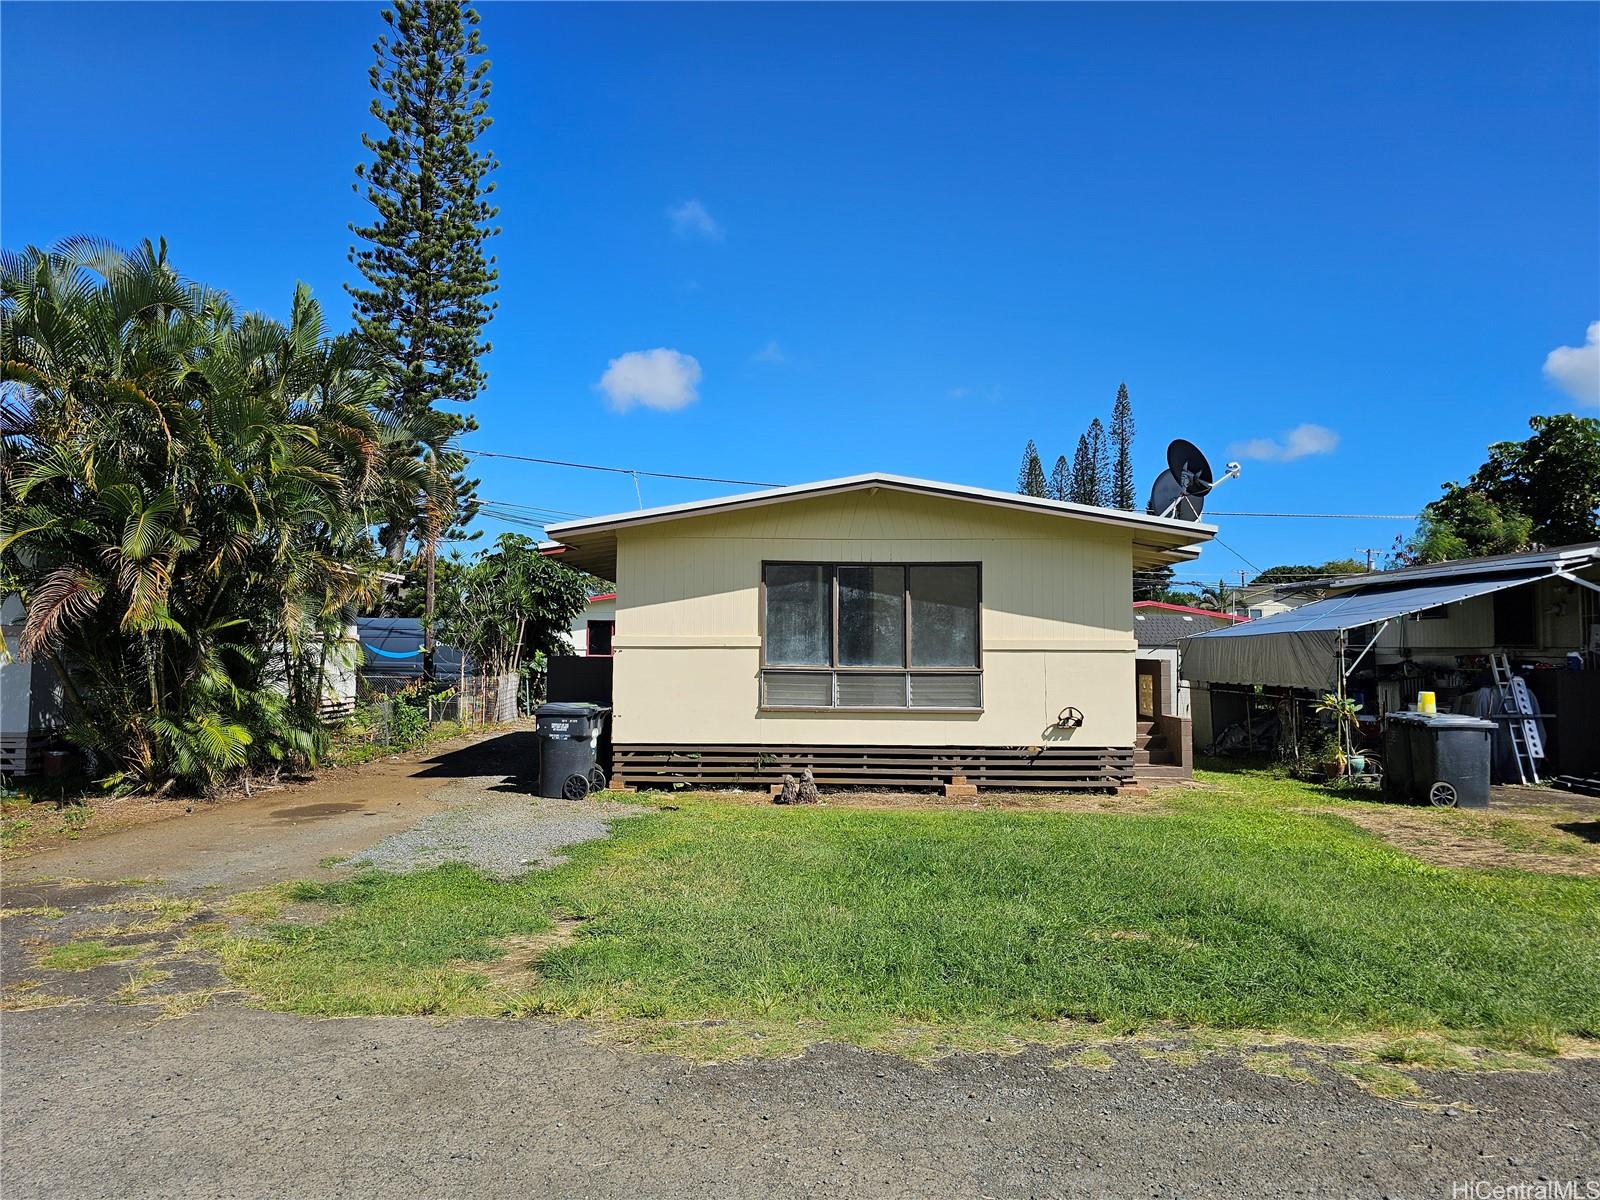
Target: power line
556, 462
640, 471
1321, 516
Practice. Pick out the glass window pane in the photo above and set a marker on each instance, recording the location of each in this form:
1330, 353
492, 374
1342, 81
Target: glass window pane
872, 616
944, 616
798, 615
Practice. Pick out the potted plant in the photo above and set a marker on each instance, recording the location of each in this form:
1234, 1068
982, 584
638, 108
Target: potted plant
1343, 710
1322, 748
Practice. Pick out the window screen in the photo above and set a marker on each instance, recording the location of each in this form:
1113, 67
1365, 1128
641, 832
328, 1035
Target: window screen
944, 615
799, 615
872, 616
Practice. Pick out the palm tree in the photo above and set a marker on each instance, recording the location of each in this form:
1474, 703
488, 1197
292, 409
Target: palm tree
189, 498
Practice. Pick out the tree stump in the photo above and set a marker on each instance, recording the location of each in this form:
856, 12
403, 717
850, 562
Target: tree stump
808, 789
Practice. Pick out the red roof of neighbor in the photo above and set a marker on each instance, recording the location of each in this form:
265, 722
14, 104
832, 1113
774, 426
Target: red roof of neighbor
1184, 608
599, 596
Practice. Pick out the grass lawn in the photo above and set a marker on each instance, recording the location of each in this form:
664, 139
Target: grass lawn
1228, 907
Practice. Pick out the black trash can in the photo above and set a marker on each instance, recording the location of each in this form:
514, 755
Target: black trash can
1441, 758
1399, 733
569, 749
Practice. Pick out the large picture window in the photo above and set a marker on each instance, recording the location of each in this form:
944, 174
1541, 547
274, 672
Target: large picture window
871, 635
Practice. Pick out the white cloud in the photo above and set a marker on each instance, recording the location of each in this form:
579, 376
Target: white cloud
1576, 369
1300, 442
691, 219
662, 379
772, 355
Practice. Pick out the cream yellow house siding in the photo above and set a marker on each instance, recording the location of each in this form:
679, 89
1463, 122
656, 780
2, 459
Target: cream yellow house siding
1056, 622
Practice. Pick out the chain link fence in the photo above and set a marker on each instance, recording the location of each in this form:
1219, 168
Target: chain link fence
397, 714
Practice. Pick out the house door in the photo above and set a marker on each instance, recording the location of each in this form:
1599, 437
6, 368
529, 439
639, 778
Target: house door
1148, 677
600, 633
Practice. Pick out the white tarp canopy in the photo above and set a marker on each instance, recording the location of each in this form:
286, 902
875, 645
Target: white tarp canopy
1300, 648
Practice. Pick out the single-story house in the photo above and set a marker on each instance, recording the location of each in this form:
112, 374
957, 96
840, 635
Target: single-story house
1389, 635
878, 629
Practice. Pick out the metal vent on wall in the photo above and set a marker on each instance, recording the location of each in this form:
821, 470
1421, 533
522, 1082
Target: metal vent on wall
872, 691
947, 691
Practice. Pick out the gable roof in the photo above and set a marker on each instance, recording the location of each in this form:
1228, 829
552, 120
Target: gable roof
1189, 608
590, 543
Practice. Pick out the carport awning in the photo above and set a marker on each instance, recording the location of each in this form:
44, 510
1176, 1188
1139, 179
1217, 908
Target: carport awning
1300, 648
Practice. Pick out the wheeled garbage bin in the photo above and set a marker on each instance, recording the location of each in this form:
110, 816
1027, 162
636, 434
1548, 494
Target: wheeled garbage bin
1442, 758
1399, 731
569, 749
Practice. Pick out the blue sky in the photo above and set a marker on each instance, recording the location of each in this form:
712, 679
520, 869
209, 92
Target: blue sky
910, 238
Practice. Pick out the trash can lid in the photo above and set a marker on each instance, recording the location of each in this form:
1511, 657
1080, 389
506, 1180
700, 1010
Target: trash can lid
571, 708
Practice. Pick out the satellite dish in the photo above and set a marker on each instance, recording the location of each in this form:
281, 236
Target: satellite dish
1189, 467
1165, 493
1180, 490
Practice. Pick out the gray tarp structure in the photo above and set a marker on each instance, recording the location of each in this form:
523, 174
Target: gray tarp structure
1300, 648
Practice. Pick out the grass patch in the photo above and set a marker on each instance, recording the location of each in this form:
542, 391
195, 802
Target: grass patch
24, 821
159, 913
48, 912
1278, 1065
87, 953
1380, 1080
1230, 907
27, 995
141, 977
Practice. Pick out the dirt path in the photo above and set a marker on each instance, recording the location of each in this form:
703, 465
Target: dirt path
282, 834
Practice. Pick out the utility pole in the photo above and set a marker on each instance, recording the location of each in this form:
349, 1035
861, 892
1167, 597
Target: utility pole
1369, 551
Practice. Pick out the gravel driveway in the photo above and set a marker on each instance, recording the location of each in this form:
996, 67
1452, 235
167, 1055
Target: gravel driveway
502, 835
129, 1100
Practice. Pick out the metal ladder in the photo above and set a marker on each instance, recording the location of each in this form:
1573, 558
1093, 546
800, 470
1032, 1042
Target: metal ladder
1526, 744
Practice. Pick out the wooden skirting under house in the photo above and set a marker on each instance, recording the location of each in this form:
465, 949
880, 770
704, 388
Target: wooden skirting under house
997, 768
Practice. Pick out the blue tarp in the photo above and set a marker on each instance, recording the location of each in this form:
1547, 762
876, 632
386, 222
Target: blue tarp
392, 646
1299, 648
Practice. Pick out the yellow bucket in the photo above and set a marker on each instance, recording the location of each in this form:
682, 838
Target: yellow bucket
1426, 703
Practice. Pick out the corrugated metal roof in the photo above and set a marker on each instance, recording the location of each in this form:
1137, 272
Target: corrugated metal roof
1350, 610
1566, 557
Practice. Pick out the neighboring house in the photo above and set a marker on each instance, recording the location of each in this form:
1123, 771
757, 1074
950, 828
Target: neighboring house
592, 629
1396, 633
879, 629
31, 702
1256, 602
1160, 628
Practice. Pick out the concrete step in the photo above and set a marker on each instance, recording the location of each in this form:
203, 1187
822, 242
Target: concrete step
1152, 741
1149, 757
1160, 773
